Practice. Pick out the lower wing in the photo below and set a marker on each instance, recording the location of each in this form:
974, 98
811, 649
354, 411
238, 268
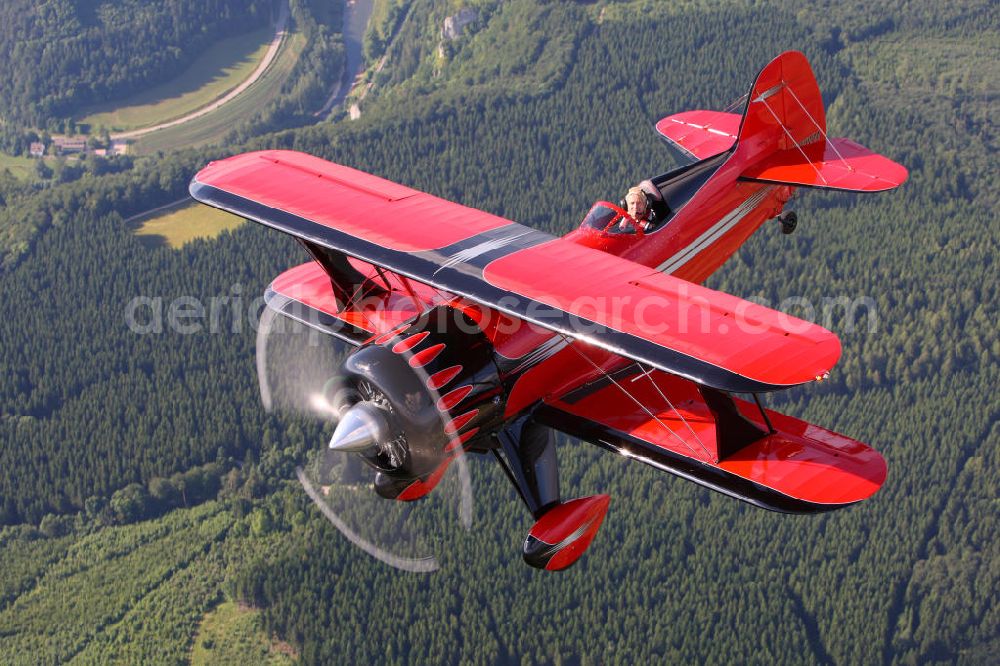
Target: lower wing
733, 446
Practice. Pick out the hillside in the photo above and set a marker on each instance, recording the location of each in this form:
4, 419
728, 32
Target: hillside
288, 93
108, 437
60, 56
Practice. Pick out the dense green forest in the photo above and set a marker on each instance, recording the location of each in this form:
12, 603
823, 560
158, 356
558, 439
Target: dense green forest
62, 55
109, 439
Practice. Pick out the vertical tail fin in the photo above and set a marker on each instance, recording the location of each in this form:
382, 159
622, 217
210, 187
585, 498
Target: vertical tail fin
782, 136
784, 108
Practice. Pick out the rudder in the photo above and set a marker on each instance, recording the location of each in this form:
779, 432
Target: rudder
784, 108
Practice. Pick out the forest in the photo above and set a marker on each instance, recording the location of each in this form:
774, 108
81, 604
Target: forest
29, 207
63, 55
101, 59
125, 452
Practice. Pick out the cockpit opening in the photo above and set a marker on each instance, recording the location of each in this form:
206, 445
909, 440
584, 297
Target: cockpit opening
608, 218
650, 205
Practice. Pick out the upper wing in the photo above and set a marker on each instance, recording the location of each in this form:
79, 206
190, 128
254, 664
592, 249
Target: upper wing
700, 134
679, 327
388, 215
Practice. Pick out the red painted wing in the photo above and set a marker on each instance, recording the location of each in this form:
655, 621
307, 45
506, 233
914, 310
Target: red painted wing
727, 332
707, 336
347, 200
799, 468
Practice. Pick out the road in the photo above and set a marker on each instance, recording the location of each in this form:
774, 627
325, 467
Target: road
158, 209
280, 32
356, 15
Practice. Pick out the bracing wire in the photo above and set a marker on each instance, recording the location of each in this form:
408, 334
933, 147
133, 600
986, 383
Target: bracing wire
649, 375
789, 134
735, 104
361, 309
820, 129
632, 397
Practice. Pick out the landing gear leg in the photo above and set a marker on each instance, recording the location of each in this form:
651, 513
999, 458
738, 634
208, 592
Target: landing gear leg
530, 449
789, 220
562, 530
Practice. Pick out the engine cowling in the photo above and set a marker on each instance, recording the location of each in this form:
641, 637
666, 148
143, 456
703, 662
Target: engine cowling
434, 389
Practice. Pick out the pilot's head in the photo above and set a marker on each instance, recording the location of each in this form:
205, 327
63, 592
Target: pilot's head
636, 202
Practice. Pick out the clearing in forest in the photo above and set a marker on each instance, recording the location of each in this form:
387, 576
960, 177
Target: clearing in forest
23, 168
234, 634
177, 226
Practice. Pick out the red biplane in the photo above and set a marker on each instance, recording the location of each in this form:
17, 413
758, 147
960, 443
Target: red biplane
472, 333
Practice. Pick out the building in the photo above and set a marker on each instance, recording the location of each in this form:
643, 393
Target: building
67, 146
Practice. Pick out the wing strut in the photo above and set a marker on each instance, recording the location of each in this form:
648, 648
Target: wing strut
733, 431
417, 303
360, 293
763, 412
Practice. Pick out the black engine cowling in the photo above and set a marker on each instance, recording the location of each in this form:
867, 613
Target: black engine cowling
438, 386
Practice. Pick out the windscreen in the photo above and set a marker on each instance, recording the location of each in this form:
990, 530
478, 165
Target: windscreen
601, 216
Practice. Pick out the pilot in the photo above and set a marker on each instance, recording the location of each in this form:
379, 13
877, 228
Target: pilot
639, 209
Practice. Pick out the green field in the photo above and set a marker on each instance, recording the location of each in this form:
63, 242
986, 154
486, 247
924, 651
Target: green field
220, 69
212, 127
234, 634
181, 225
149, 592
23, 168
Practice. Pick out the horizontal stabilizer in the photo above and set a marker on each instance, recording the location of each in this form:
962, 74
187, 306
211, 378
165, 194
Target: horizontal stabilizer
836, 164
700, 134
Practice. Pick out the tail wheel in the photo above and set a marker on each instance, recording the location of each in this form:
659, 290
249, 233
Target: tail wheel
789, 221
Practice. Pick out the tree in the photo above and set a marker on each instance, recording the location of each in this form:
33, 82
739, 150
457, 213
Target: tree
42, 169
130, 503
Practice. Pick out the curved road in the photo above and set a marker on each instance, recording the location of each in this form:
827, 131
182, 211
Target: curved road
272, 51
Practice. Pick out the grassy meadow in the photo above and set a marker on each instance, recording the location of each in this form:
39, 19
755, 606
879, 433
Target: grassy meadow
23, 168
213, 127
220, 69
180, 225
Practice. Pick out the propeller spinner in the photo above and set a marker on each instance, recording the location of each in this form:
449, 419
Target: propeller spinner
363, 427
